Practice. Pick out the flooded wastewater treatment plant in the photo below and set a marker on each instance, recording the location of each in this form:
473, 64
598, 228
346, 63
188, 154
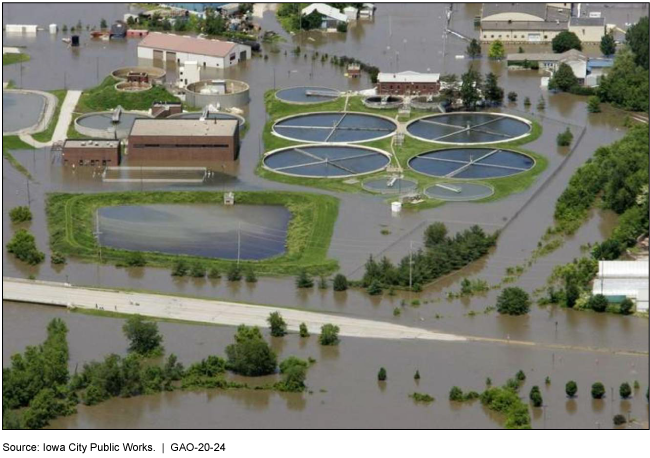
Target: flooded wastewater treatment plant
448, 239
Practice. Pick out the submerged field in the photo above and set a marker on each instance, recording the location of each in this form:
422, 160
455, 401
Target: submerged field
72, 226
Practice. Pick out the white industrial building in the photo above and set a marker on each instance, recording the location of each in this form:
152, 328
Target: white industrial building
189, 72
331, 16
21, 28
616, 279
179, 49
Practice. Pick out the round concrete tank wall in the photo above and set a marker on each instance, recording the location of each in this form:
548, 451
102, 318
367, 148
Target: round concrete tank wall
155, 75
101, 125
226, 93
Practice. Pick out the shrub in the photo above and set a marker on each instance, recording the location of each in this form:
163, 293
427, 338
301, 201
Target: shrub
541, 103
565, 138
143, 335
513, 301
598, 303
497, 50
422, 397
234, 273
619, 419
294, 373
597, 390
214, 273
527, 102
456, 394
571, 388
566, 40
536, 396
375, 288
520, 376
329, 335
304, 332
180, 268
322, 282
417, 375
625, 390
277, 323
626, 306
340, 283
251, 277
342, 27
57, 258
250, 355
20, 214
304, 280
512, 96
381, 376
23, 247
197, 270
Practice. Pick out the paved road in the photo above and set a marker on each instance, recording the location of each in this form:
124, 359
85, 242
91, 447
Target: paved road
206, 311
65, 117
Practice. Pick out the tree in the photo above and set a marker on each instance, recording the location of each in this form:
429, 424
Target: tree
571, 293
214, 273
492, 92
312, 20
417, 375
277, 323
340, 283
564, 41
197, 270
598, 303
593, 104
251, 277
381, 376
180, 268
520, 376
57, 258
541, 103
497, 51
619, 419
456, 394
103, 24
342, 27
23, 247
597, 390
304, 331
449, 88
626, 84
234, 273
304, 280
625, 390
513, 301
571, 388
250, 355
322, 282
374, 289
469, 88
294, 373
143, 335
214, 23
636, 38
20, 214
563, 79
608, 44
564, 138
536, 396
329, 335
135, 259
474, 49
626, 306
512, 96
608, 250
527, 102
435, 234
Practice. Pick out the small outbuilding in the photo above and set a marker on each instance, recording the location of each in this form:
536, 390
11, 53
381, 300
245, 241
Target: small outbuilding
91, 152
588, 29
408, 83
332, 17
619, 279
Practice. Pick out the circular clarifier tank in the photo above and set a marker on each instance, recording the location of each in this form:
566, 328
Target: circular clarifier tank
101, 124
334, 127
307, 95
471, 163
390, 185
459, 191
467, 128
326, 161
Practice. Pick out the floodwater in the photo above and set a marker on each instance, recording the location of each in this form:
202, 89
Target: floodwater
20, 110
343, 381
246, 231
394, 41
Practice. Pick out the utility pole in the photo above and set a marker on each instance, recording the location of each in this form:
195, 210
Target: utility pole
29, 199
274, 77
238, 243
410, 270
97, 69
97, 234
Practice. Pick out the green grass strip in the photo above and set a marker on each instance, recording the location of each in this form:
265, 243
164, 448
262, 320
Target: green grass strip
46, 135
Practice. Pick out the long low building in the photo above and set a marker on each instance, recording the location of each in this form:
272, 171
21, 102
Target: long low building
620, 279
183, 140
523, 22
178, 49
408, 83
91, 152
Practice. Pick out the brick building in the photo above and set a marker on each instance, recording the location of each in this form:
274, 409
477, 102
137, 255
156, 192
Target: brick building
183, 140
408, 83
91, 152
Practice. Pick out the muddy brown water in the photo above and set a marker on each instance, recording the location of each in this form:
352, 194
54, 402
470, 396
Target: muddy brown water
358, 228
343, 381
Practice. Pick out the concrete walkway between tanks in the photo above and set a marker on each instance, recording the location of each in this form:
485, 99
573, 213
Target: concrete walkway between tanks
61, 129
201, 310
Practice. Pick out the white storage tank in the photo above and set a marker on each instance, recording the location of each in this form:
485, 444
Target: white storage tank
53, 28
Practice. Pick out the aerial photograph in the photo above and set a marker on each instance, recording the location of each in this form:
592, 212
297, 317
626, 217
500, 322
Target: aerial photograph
324, 216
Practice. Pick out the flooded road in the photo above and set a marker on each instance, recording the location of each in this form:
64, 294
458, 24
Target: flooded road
342, 377
394, 41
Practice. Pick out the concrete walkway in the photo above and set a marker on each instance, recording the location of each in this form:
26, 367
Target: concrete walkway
200, 310
61, 129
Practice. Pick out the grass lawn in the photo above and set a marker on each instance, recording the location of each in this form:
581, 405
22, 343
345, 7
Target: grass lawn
105, 97
9, 59
10, 142
400, 154
71, 225
46, 135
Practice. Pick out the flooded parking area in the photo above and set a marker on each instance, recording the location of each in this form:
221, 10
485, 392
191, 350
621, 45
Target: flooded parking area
250, 232
20, 110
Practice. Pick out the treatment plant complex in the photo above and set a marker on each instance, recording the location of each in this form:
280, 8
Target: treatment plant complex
328, 215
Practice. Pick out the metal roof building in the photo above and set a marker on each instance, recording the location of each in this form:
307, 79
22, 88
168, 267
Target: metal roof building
623, 278
331, 15
523, 22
